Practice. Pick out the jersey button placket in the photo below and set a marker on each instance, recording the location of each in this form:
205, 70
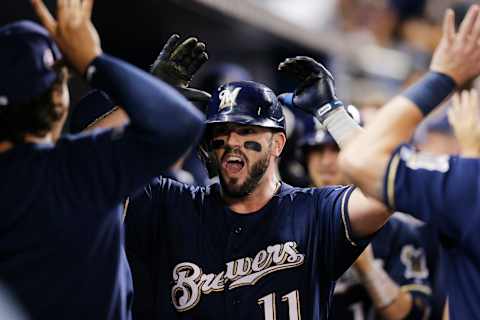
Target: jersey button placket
238, 230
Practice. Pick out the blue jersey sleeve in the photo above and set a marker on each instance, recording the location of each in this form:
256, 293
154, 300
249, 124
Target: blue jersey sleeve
441, 190
104, 167
153, 107
339, 248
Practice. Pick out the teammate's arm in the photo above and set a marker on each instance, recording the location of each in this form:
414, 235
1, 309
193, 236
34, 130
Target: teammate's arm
112, 164
387, 298
176, 64
455, 61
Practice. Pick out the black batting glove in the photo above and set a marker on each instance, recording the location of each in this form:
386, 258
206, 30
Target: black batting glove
178, 62
316, 92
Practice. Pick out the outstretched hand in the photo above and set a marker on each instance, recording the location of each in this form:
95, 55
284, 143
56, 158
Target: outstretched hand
464, 117
73, 30
316, 88
458, 53
178, 62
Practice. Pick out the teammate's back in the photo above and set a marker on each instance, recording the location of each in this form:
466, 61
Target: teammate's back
61, 235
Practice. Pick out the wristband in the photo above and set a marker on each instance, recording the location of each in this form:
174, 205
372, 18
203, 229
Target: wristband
430, 91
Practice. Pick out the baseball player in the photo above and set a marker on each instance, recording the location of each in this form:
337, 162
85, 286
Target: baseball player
390, 280
249, 246
441, 190
61, 239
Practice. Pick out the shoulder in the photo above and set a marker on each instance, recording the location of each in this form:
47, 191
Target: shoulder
167, 186
85, 136
296, 193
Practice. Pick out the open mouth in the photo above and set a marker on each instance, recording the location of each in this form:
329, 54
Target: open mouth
233, 163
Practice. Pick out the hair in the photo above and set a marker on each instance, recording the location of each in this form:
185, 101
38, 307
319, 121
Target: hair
38, 116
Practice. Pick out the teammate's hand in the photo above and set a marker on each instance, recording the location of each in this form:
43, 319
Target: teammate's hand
458, 53
465, 120
178, 62
316, 88
73, 30
365, 261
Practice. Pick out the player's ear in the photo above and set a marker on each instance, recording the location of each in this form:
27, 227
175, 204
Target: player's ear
278, 143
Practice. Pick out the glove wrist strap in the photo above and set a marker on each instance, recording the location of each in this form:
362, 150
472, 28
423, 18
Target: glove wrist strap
322, 113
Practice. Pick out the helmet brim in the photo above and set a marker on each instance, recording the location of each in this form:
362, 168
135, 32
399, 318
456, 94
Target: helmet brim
245, 120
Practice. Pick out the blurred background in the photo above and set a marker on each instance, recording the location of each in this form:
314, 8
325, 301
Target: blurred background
373, 47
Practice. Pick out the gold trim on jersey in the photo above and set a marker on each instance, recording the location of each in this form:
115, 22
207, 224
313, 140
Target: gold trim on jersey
344, 219
392, 173
416, 287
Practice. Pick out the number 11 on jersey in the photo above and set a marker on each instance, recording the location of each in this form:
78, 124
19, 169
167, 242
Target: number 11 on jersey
270, 309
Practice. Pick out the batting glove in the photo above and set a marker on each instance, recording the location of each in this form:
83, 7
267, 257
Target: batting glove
178, 62
316, 91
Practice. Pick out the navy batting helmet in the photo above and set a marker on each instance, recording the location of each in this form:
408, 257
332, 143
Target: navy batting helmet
248, 103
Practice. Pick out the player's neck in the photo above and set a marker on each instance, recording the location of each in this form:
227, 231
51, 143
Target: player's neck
258, 198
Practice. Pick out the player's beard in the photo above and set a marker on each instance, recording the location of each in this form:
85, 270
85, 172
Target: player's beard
257, 172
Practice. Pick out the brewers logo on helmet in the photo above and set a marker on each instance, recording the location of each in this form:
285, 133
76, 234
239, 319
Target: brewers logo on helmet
247, 103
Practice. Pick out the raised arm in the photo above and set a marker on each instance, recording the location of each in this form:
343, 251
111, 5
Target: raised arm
149, 103
176, 64
316, 95
108, 165
456, 60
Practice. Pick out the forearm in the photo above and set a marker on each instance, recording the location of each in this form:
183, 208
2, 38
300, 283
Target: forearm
364, 161
387, 297
150, 104
366, 158
366, 214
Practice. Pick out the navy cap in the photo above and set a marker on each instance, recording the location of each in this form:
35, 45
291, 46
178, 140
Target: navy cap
27, 56
314, 134
91, 106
